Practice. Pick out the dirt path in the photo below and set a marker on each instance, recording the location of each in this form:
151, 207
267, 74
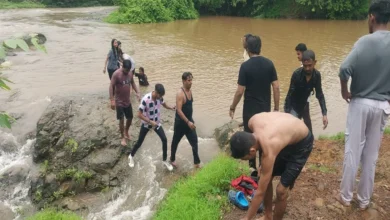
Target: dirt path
312, 196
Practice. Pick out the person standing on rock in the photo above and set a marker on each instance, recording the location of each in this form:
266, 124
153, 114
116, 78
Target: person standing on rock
255, 78
368, 65
120, 88
284, 143
303, 81
184, 123
149, 112
112, 59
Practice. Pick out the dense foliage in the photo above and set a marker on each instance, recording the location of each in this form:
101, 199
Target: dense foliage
146, 11
151, 11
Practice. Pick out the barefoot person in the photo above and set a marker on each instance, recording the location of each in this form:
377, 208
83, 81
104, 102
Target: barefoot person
368, 65
184, 123
285, 144
150, 114
304, 81
120, 88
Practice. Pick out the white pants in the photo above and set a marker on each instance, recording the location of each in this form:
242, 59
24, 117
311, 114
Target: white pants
365, 125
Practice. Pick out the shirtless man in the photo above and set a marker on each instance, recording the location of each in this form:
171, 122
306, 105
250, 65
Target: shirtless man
285, 144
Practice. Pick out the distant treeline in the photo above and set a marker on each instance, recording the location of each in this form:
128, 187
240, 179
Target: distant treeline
150, 11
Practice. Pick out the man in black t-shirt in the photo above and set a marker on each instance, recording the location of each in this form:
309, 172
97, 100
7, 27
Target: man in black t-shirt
142, 78
255, 78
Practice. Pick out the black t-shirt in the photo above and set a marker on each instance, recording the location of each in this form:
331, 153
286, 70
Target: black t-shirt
142, 79
257, 75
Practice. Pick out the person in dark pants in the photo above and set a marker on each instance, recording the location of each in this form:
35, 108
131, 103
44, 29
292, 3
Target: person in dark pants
300, 48
255, 78
120, 88
184, 123
303, 81
112, 60
150, 114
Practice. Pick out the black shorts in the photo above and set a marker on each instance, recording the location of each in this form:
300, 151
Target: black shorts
111, 72
290, 161
124, 111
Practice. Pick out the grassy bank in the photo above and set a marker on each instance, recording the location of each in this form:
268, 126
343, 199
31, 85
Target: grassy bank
52, 214
203, 195
341, 136
4, 4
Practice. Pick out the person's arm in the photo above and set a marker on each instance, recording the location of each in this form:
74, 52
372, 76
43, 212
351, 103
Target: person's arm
347, 69
276, 92
111, 91
288, 101
237, 96
320, 95
267, 164
166, 105
108, 57
275, 88
239, 91
321, 99
135, 87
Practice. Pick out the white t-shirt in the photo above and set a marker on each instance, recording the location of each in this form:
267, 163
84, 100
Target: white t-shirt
127, 57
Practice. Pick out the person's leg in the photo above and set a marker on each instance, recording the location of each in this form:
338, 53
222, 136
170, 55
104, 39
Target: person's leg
192, 137
141, 138
281, 201
268, 201
177, 136
355, 139
376, 122
160, 132
129, 119
120, 117
306, 117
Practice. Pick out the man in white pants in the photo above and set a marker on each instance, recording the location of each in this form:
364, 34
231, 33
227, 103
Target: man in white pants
368, 64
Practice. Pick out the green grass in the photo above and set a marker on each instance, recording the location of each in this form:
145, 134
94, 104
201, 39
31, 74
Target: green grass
4, 4
340, 136
203, 195
52, 214
322, 169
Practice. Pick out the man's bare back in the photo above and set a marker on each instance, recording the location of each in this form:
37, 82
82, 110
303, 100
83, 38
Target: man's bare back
281, 129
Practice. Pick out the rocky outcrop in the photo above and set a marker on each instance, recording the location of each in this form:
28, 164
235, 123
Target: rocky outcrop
5, 212
223, 133
78, 149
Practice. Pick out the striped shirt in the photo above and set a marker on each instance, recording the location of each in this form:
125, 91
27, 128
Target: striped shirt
151, 109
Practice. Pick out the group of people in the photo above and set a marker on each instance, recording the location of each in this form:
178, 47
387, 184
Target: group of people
149, 110
284, 142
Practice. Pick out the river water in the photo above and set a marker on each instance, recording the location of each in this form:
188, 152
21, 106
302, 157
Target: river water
209, 47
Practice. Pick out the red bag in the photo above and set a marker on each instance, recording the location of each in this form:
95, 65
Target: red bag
245, 184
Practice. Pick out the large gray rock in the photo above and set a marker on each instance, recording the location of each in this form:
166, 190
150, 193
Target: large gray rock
78, 149
5, 212
223, 134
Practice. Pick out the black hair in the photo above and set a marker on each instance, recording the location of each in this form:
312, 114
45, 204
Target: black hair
240, 144
308, 55
141, 68
301, 47
159, 88
127, 64
114, 50
253, 44
380, 10
247, 35
186, 75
